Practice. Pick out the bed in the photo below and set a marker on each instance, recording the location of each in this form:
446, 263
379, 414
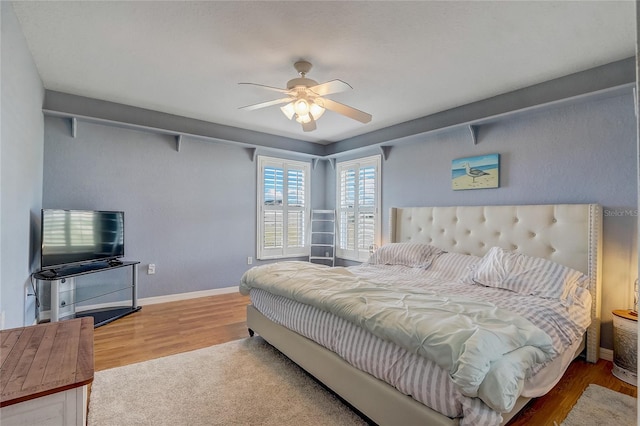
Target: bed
566, 234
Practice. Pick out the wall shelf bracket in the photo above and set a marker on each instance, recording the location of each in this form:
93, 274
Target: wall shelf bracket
332, 161
386, 150
314, 162
474, 133
74, 127
178, 142
252, 153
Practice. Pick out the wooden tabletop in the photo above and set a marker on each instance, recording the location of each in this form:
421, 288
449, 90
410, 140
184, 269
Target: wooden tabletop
626, 313
43, 359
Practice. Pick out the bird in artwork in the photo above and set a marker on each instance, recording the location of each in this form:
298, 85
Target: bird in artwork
474, 173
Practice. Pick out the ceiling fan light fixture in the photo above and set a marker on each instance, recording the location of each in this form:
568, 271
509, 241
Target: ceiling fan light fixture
316, 110
305, 99
303, 119
301, 107
288, 110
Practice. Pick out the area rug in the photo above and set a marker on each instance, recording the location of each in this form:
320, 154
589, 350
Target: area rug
244, 382
599, 406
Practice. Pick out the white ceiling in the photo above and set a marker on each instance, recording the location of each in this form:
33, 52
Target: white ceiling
405, 60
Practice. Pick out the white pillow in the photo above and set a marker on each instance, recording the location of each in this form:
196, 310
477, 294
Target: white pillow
415, 255
526, 274
453, 267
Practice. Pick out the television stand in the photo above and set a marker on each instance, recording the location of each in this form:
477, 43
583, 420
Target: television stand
65, 292
48, 273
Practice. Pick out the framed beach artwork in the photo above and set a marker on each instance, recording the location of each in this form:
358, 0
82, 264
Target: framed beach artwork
478, 172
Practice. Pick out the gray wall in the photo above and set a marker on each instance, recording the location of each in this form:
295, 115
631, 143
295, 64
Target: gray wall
192, 212
21, 157
582, 153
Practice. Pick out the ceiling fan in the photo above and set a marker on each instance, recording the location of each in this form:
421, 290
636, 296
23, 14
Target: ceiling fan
305, 99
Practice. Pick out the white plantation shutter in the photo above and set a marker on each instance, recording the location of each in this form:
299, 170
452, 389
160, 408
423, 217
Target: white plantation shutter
273, 229
296, 208
358, 192
366, 230
347, 205
296, 230
283, 205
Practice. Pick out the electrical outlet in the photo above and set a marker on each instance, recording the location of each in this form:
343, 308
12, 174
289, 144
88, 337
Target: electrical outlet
249, 260
151, 269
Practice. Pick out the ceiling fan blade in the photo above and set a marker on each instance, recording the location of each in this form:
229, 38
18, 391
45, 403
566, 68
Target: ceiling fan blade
333, 86
266, 104
310, 126
275, 89
346, 110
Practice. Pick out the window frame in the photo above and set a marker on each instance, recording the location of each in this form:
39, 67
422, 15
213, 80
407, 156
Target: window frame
265, 253
359, 254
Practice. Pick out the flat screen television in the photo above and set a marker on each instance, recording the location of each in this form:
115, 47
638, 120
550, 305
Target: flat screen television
73, 237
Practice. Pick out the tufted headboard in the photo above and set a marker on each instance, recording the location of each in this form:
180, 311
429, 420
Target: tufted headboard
568, 234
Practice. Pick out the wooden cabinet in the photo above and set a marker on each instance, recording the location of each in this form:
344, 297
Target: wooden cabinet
46, 370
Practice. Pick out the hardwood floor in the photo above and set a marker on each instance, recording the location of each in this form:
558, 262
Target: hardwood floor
555, 405
170, 328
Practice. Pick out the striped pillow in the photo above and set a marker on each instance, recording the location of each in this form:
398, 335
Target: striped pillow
527, 275
415, 255
453, 267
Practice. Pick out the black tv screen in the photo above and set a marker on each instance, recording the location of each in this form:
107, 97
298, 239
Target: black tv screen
80, 236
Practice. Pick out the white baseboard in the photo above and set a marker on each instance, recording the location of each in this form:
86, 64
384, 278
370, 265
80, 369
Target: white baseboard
606, 354
185, 296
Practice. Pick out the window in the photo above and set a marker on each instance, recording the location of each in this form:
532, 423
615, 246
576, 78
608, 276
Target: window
283, 207
358, 192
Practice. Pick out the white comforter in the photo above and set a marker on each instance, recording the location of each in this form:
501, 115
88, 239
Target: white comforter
486, 350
